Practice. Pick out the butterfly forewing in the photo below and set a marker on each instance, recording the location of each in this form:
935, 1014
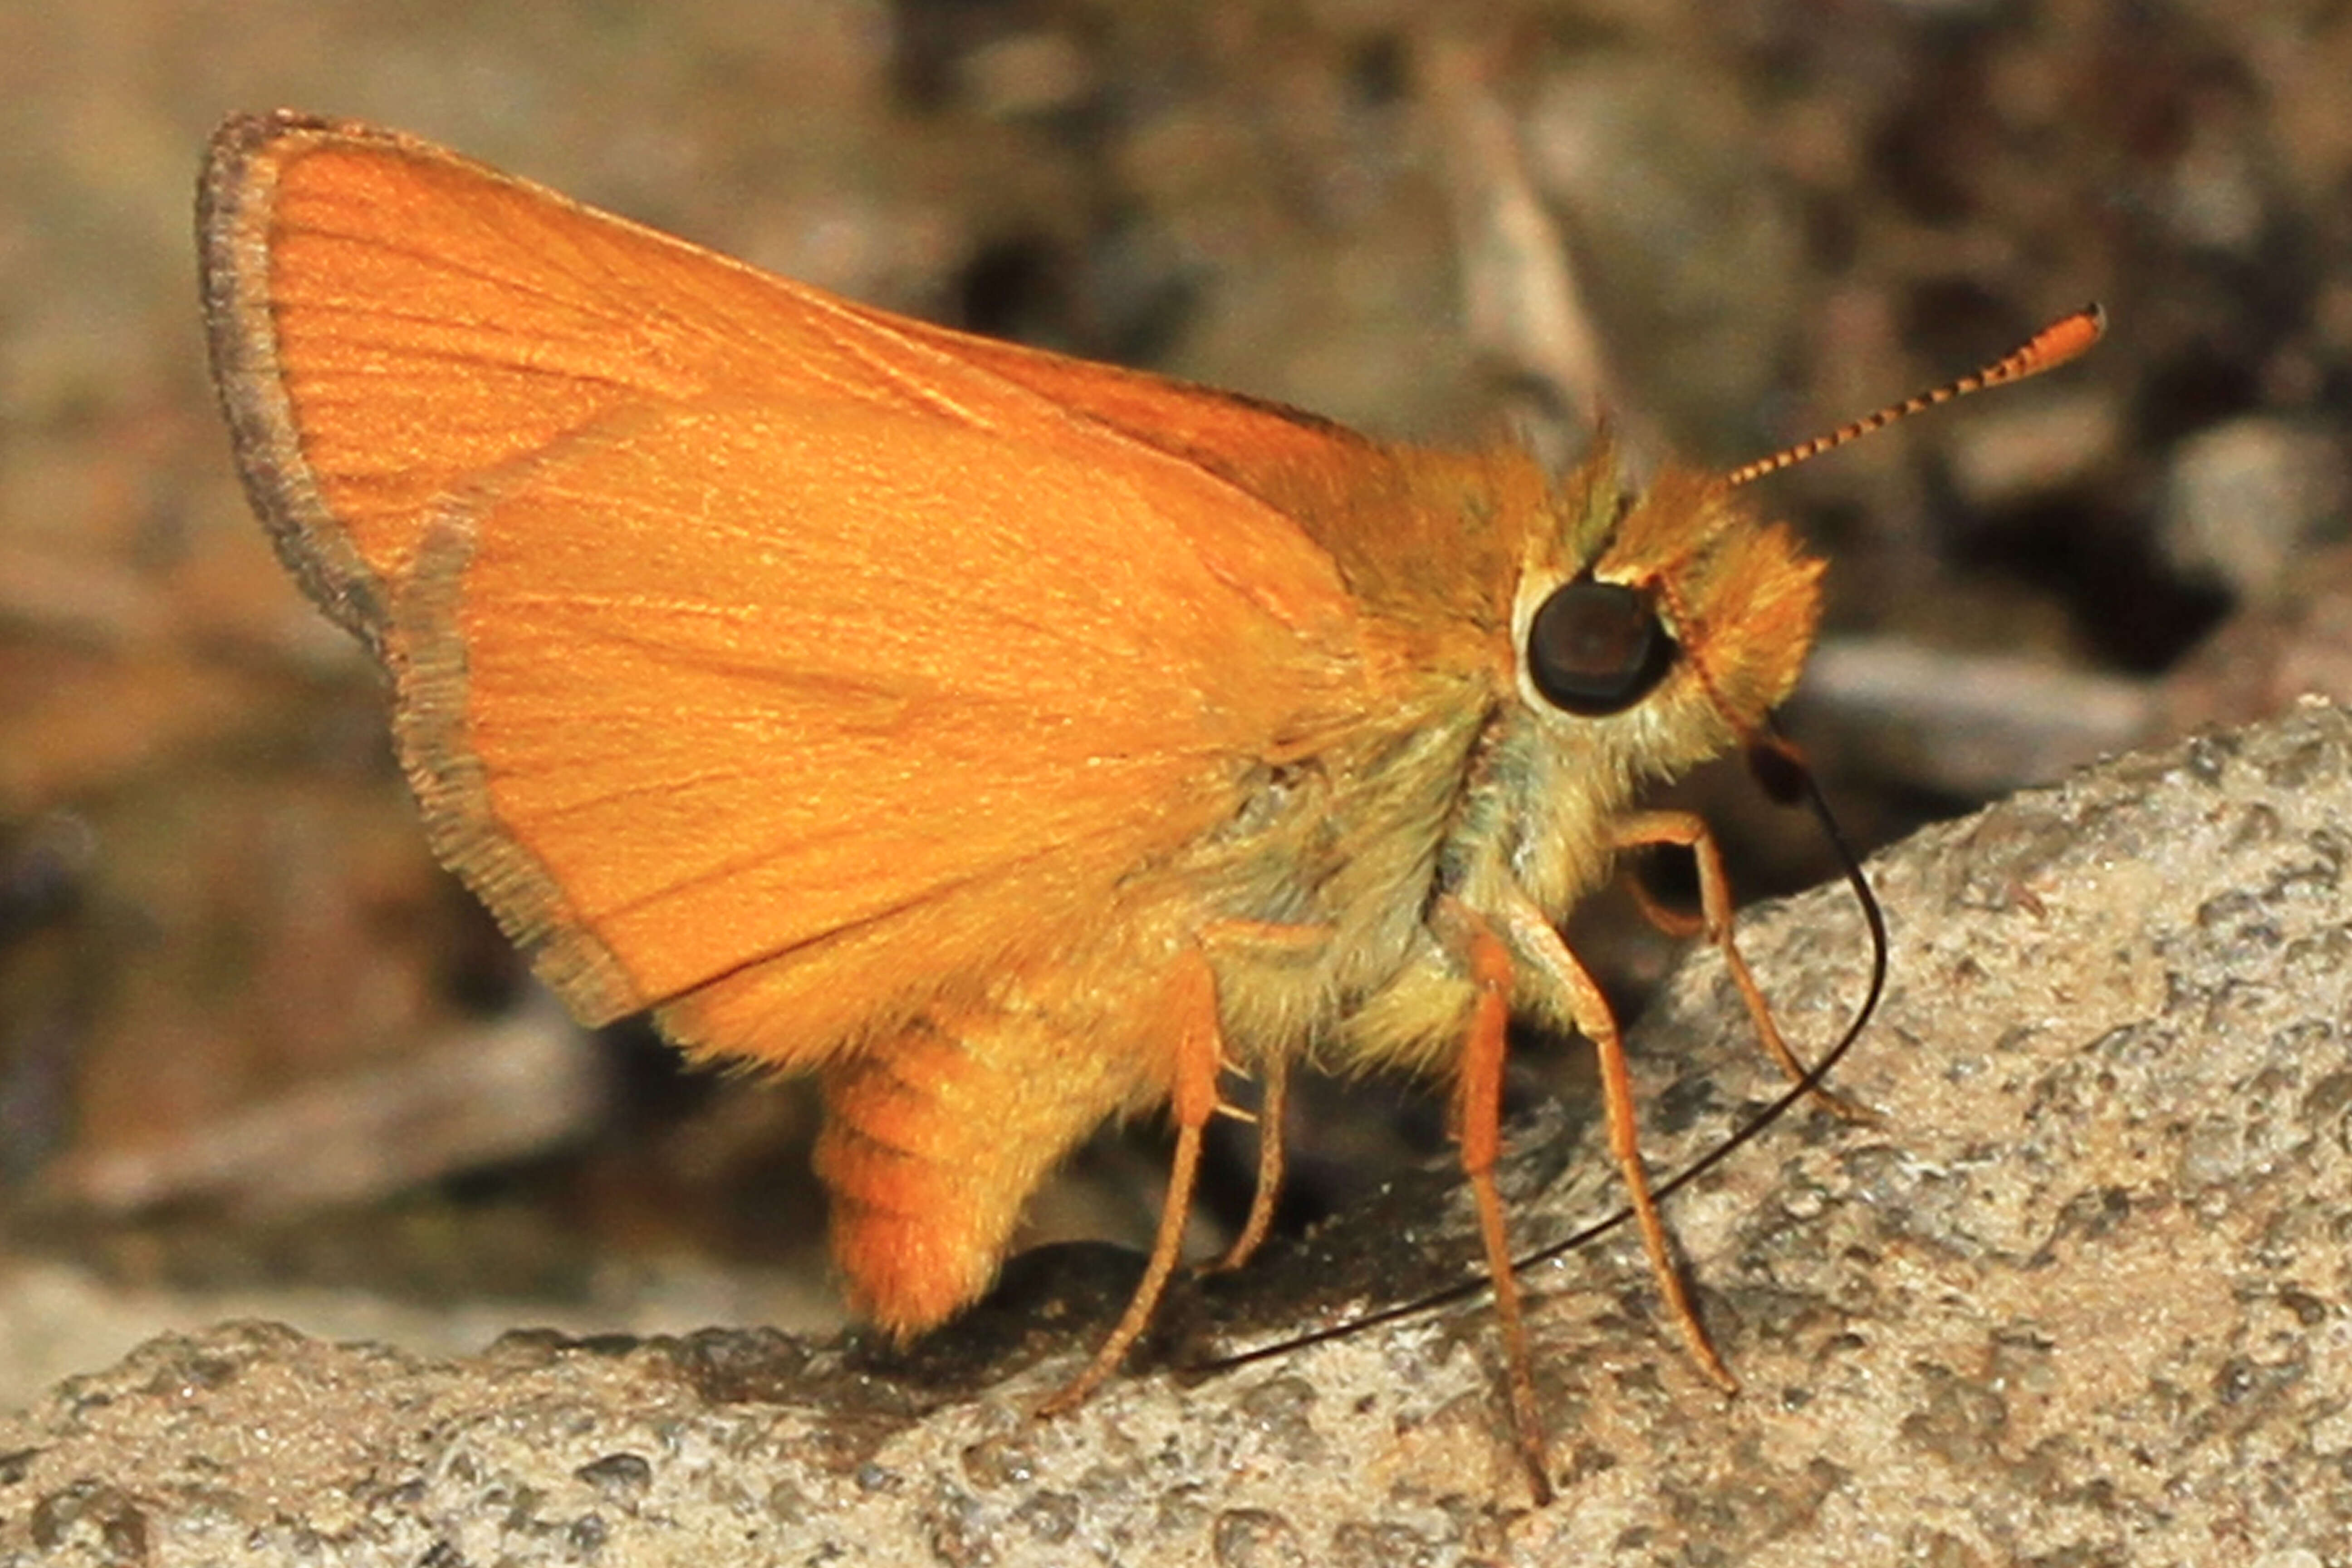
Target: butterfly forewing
751, 639
892, 701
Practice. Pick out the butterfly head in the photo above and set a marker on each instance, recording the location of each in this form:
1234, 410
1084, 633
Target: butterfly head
1665, 625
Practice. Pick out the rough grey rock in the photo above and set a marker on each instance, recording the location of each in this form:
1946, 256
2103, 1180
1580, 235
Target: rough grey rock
2080, 1296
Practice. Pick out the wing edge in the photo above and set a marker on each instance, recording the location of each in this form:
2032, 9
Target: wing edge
235, 198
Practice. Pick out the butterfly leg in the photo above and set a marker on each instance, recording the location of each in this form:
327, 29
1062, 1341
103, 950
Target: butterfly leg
1674, 922
1479, 1116
1685, 830
1191, 1003
1572, 993
1271, 1100
1259, 939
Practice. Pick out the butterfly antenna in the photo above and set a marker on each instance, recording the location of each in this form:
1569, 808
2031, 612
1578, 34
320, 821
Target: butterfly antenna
2065, 339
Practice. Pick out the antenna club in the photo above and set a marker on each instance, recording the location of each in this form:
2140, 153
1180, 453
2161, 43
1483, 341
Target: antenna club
2062, 341
2071, 337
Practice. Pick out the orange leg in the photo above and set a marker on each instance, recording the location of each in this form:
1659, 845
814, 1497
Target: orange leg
1478, 1113
1643, 829
1672, 922
1269, 1168
1192, 1002
1261, 938
1577, 996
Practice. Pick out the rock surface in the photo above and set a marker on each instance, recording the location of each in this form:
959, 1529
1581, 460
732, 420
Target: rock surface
2080, 1296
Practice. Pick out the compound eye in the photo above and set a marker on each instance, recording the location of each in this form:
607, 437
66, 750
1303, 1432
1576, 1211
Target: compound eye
1596, 649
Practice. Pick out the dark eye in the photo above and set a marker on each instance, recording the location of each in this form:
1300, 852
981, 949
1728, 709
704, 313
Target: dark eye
1596, 649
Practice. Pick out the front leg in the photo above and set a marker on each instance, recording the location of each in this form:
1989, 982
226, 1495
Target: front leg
1565, 989
1645, 829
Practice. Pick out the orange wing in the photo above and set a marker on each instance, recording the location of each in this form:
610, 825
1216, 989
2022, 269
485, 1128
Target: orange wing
389, 320
760, 655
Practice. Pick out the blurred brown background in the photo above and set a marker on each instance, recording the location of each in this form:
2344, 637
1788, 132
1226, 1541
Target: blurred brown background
257, 1055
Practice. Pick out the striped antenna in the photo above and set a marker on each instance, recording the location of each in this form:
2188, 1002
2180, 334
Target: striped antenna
2062, 340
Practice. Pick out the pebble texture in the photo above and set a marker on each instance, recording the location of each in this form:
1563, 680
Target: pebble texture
2080, 1296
